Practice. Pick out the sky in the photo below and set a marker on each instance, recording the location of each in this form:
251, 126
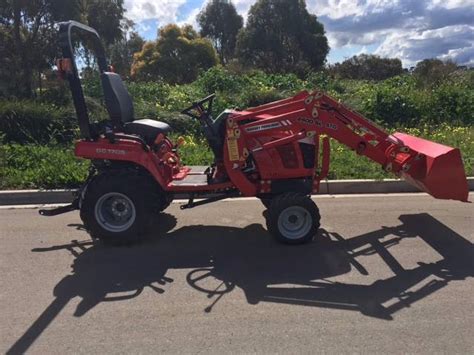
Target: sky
411, 30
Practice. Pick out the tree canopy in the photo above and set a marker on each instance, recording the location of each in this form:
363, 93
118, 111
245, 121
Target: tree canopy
105, 16
282, 36
220, 22
430, 72
176, 56
28, 36
122, 51
368, 67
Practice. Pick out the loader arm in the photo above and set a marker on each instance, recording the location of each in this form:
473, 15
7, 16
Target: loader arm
432, 167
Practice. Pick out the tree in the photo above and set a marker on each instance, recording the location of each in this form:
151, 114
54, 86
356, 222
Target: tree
122, 52
368, 67
105, 16
220, 22
281, 36
7, 65
430, 72
27, 30
176, 56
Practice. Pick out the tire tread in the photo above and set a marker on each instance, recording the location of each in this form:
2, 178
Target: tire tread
283, 201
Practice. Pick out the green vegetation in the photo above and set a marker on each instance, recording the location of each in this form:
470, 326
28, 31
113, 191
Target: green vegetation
281, 50
368, 67
43, 166
396, 102
177, 56
38, 134
282, 36
28, 37
40, 166
223, 34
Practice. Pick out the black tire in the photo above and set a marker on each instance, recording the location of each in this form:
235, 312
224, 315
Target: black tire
137, 195
266, 201
293, 218
165, 201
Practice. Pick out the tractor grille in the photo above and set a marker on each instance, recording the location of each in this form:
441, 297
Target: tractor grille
288, 156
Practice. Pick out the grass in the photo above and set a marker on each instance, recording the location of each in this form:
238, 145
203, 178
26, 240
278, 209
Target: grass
38, 166
43, 166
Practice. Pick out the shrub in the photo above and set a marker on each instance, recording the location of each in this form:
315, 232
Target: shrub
395, 101
150, 92
33, 121
25, 121
368, 67
259, 97
58, 94
452, 103
392, 101
318, 80
218, 79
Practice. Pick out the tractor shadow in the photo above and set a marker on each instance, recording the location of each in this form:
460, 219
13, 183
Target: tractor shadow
223, 258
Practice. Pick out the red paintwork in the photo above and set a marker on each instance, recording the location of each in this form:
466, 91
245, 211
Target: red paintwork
125, 150
272, 133
440, 172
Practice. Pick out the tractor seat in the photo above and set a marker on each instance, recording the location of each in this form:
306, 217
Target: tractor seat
147, 129
120, 108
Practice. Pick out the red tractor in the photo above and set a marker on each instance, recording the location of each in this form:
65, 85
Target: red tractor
278, 152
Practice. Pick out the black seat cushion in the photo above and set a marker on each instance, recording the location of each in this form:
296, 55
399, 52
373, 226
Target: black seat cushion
120, 107
117, 99
147, 129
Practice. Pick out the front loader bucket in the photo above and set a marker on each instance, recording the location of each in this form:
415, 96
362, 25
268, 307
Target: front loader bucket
438, 170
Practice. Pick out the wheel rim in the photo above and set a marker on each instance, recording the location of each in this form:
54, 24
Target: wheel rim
294, 222
115, 212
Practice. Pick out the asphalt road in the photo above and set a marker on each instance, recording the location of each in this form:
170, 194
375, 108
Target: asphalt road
387, 275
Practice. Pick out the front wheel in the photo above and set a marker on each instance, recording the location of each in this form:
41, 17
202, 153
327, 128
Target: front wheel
293, 218
118, 207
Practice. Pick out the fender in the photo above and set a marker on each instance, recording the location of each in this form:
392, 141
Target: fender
124, 150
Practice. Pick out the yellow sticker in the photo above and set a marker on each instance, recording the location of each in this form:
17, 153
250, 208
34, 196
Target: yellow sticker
233, 148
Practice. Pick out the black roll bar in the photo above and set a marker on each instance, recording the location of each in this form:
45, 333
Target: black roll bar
67, 48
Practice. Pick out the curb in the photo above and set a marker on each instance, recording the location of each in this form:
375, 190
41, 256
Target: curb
333, 187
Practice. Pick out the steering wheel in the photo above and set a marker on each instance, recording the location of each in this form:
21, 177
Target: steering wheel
199, 107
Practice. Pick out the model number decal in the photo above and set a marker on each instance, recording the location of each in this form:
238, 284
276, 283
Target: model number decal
332, 126
263, 127
110, 151
306, 120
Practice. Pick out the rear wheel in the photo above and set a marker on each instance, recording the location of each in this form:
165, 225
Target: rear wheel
118, 206
266, 201
164, 201
293, 218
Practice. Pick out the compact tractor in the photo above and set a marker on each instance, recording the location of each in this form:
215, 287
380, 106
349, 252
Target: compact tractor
277, 152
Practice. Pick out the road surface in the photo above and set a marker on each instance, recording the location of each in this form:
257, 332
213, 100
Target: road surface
388, 274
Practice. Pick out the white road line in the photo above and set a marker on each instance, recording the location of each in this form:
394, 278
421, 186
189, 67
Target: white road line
315, 197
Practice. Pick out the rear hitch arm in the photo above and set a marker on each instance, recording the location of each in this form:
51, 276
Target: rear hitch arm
75, 205
59, 210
